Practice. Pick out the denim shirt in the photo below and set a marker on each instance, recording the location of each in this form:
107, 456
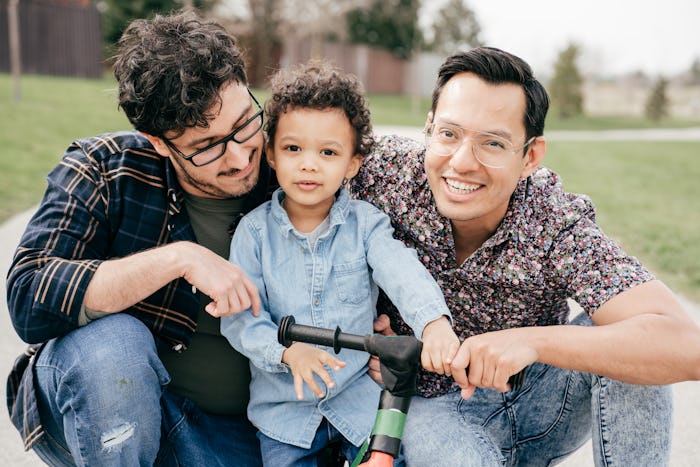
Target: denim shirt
334, 284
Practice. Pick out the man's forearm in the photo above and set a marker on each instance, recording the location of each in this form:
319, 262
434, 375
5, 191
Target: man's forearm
659, 345
641, 336
647, 349
120, 283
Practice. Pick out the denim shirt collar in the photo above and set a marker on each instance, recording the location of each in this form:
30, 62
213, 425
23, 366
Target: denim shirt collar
338, 214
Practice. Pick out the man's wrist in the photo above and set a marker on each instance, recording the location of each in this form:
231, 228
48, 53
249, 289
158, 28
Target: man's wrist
86, 315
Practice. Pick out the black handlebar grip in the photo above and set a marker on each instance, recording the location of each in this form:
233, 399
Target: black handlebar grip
288, 332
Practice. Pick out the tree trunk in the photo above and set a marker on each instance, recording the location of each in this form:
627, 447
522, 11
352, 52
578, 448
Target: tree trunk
15, 60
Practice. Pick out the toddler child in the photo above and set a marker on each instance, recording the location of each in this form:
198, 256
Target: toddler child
318, 255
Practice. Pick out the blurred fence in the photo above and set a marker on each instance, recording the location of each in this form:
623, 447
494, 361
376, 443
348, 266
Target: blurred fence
56, 38
379, 70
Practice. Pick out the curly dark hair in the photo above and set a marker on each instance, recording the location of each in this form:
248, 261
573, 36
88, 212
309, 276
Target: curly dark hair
170, 70
319, 85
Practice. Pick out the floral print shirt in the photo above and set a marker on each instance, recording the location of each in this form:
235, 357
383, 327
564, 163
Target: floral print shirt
547, 249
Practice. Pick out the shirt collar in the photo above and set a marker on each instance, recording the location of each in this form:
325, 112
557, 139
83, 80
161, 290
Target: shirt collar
514, 217
338, 214
175, 195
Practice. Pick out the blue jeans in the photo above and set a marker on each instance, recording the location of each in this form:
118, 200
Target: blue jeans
278, 454
102, 401
551, 416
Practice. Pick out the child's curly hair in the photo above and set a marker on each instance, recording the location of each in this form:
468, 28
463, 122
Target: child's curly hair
318, 85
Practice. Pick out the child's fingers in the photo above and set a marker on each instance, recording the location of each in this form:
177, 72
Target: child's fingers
430, 360
452, 349
299, 386
313, 385
439, 359
330, 361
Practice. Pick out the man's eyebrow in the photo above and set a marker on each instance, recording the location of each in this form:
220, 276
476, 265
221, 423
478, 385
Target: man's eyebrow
233, 127
505, 134
496, 132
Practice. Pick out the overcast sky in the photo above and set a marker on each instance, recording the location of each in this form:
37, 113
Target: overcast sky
617, 36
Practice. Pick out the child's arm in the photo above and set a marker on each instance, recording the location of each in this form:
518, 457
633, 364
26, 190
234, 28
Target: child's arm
254, 337
409, 285
304, 360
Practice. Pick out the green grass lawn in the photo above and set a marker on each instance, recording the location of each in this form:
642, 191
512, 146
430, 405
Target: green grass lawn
646, 193
647, 197
35, 131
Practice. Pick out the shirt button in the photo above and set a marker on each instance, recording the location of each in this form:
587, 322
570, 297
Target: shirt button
194, 289
317, 302
174, 197
177, 347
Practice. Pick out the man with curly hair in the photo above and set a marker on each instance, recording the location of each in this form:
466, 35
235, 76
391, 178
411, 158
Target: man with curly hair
318, 255
122, 274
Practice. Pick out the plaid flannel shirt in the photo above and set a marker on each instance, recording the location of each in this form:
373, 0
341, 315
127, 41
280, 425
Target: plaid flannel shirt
110, 196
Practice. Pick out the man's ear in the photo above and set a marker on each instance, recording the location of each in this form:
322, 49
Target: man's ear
161, 148
533, 156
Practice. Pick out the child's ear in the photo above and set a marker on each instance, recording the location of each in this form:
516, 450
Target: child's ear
353, 166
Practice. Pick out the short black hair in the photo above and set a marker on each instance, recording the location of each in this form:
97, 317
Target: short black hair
497, 67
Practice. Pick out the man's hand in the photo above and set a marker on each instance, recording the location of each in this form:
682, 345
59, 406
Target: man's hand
492, 358
382, 325
120, 283
225, 283
305, 360
440, 344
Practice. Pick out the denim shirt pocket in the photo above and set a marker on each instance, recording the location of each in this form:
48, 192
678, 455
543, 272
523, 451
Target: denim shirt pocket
352, 281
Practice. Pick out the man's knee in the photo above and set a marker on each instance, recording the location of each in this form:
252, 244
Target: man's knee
112, 359
99, 390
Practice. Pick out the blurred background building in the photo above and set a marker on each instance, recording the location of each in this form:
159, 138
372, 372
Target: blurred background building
393, 46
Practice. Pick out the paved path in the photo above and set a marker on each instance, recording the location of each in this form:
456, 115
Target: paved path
686, 449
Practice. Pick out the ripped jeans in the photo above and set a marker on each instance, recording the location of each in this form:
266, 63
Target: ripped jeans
103, 402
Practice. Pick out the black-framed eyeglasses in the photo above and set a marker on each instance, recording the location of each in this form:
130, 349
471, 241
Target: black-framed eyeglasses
215, 150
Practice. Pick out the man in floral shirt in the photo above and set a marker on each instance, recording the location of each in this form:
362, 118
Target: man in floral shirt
508, 247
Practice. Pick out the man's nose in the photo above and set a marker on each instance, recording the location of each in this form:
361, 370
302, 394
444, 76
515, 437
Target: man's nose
464, 158
238, 154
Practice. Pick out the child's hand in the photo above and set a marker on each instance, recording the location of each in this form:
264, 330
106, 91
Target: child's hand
440, 344
305, 360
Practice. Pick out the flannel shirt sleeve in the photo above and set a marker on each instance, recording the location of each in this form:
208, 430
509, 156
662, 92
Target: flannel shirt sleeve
62, 246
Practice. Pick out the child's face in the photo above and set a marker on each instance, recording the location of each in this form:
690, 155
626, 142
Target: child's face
313, 151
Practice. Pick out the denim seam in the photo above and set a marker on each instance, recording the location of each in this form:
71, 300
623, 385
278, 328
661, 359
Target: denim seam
47, 435
485, 440
562, 410
604, 445
62, 374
